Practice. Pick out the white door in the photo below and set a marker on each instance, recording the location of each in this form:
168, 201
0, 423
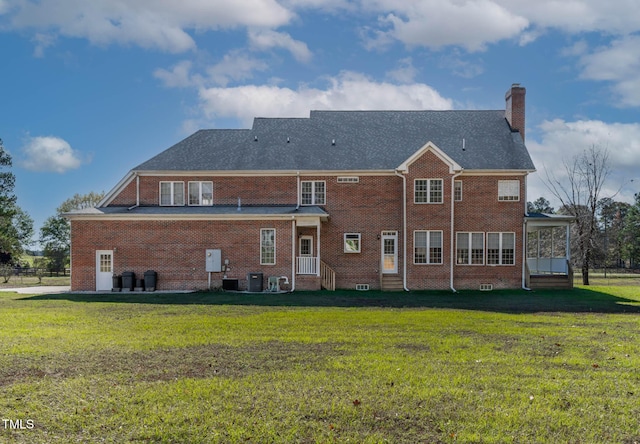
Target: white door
306, 246
104, 270
389, 252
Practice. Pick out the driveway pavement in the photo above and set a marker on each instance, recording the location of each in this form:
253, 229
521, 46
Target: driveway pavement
39, 290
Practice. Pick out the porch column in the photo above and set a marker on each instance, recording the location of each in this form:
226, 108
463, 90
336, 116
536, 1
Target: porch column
568, 246
318, 249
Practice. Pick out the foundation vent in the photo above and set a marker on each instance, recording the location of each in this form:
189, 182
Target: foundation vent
486, 287
362, 287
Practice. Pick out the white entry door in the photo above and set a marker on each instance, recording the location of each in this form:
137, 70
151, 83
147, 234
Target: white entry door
104, 270
389, 252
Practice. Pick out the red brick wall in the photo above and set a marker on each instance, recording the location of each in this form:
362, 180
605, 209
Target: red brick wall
226, 190
176, 249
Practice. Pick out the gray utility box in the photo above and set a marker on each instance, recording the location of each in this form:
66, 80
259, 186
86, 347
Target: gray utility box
254, 282
213, 261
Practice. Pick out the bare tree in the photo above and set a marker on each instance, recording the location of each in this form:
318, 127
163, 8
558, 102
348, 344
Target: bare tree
579, 193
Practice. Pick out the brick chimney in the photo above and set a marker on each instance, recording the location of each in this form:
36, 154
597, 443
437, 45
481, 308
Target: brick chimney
514, 112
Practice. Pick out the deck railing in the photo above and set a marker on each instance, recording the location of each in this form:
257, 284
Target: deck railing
307, 265
328, 277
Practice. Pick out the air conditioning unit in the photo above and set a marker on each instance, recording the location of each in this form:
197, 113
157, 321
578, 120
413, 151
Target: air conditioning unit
362, 287
486, 287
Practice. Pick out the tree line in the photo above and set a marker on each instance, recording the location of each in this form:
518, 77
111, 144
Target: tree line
16, 226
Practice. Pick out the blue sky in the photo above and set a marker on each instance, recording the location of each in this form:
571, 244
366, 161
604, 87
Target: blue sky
91, 89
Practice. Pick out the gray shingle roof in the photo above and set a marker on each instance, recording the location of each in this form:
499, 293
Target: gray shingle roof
364, 140
215, 210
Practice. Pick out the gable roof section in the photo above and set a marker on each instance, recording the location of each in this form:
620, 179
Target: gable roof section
350, 140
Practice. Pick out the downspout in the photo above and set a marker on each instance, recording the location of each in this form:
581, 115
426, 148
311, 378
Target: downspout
404, 228
452, 236
524, 256
524, 240
298, 190
293, 253
137, 193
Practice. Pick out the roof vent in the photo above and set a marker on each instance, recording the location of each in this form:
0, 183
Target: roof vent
255, 138
288, 140
464, 144
333, 142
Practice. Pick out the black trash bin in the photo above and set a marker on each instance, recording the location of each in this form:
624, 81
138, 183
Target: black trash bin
254, 282
150, 279
128, 280
117, 283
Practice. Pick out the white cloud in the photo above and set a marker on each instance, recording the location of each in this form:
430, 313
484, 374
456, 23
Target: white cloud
51, 154
436, 23
562, 141
473, 24
405, 72
618, 63
234, 66
267, 39
179, 76
160, 24
348, 91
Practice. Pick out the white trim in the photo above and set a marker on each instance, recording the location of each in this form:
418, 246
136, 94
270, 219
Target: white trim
308, 221
117, 189
253, 173
430, 146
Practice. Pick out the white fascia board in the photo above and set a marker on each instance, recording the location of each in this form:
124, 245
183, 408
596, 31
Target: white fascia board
263, 173
122, 184
430, 146
497, 172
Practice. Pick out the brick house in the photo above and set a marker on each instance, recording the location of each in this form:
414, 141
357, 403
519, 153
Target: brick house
342, 199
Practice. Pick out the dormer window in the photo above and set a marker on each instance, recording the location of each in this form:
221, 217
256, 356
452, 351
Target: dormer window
171, 193
313, 192
201, 193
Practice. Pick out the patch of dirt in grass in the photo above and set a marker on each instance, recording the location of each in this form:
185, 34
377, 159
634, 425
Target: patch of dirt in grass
163, 364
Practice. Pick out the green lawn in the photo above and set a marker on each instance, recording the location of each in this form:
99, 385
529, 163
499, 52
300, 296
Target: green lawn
503, 366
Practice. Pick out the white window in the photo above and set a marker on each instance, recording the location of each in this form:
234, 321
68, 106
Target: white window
267, 246
348, 179
508, 190
470, 248
457, 190
200, 193
171, 193
312, 192
427, 191
352, 242
501, 248
427, 247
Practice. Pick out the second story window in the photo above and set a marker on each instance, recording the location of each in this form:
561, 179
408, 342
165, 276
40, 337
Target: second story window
457, 190
313, 192
508, 190
201, 193
171, 193
427, 191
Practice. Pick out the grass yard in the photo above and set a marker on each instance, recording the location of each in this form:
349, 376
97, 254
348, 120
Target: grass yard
499, 367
